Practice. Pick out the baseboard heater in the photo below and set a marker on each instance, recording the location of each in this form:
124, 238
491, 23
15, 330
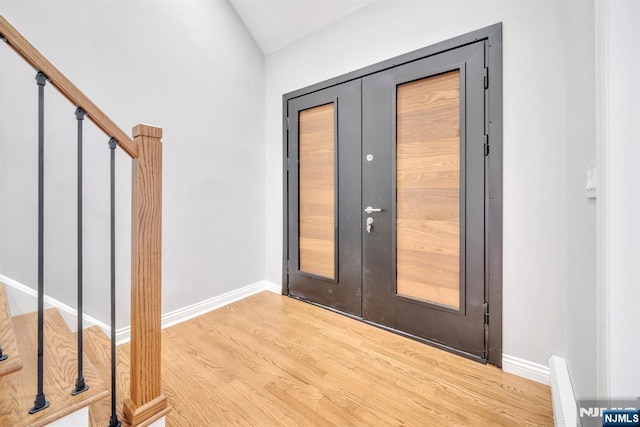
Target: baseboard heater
565, 409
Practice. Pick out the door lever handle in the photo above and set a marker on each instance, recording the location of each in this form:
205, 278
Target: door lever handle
369, 210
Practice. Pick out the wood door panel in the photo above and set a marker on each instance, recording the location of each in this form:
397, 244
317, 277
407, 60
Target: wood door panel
433, 130
317, 190
440, 237
315, 256
436, 179
429, 292
319, 197
428, 189
318, 227
430, 273
311, 209
437, 156
426, 282
437, 204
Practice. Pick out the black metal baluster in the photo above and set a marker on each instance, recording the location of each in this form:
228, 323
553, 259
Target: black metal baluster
80, 383
3, 356
41, 402
113, 422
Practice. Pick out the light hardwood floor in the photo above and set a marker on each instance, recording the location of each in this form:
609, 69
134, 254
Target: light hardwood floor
270, 360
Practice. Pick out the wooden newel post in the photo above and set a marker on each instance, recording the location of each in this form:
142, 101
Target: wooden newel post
146, 401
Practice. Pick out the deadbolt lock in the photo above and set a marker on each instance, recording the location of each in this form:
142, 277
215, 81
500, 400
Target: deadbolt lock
369, 224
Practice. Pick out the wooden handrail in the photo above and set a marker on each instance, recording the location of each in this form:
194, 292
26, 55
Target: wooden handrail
38, 61
146, 402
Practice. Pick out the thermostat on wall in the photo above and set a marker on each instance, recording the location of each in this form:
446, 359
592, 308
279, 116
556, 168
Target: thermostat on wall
592, 180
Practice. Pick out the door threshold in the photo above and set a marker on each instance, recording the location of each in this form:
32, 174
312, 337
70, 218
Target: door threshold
326, 307
430, 343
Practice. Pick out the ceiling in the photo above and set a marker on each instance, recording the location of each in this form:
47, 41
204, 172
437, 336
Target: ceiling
277, 23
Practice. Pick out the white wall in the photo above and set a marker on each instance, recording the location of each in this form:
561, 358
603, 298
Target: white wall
580, 230
188, 66
624, 197
535, 101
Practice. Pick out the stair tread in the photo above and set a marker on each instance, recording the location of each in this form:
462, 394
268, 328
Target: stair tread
7, 337
98, 347
60, 367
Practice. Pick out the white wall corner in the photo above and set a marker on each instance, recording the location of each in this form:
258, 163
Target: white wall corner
602, 207
276, 288
565, 409
526, 369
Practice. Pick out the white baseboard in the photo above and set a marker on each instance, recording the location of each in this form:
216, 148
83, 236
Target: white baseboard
22, 296
565, 409
511, 364
526, 369
180, 315
123, 335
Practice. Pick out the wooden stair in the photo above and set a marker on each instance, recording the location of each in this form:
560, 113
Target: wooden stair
98, 348
17, 391
7, 337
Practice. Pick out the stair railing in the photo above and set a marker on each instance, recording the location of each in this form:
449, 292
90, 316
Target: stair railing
145, 402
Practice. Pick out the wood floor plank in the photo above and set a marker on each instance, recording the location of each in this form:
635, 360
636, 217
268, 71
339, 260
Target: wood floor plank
269, 360
320, 348
363, 377
446, 371
60, 368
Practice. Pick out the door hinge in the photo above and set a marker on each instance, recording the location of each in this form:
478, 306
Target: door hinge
486, 78
288, 266
288, 123
486, 145
485, 308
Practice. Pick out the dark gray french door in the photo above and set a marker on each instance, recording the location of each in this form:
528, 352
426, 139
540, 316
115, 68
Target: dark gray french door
423, 260
386, 198
325, 197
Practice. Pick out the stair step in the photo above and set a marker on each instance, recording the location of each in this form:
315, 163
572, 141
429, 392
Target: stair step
98, 348
7, 337
17, 391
